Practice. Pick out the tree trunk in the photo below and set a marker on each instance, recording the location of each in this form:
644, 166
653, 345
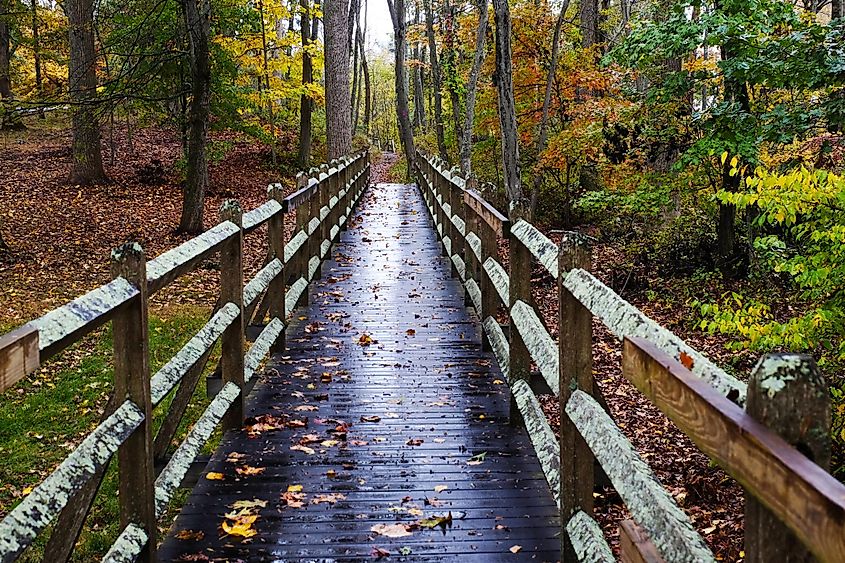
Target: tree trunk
419, 105
36, 51
469, 117
197, 17
406, 132
836, 10
436, 79
338, 114
87, 165
588, 15
542, 136
735, 92
365, 72
305, 102
503, 78
355, 21
5, 51
266, 85
451, 33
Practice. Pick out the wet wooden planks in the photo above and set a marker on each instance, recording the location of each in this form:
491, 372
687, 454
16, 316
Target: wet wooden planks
411, 426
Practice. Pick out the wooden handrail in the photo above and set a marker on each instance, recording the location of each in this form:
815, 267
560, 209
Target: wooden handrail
68, 491
704, 401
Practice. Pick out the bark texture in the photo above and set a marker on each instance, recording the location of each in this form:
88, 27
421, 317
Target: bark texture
472, 85
306, 104
507, 106
406, 132
338, 101
436, 79
197, 15
87, 167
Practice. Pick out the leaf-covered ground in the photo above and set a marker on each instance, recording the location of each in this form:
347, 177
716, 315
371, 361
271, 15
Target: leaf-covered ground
61, 235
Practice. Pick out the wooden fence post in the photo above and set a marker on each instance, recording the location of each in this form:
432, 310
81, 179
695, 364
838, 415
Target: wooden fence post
276, 243
300, 262
520, 264
789, 395
575, 337
231, 291
132, 382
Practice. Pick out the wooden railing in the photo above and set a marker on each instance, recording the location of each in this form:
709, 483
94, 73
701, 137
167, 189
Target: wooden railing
323, 204
777, 448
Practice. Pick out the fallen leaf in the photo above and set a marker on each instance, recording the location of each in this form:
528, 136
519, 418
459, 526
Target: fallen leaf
515, 549
687, 360
365, 340
378, 553
248, 504
370, 418
249, 470
410, 332
434, 521
440, 488
304, 449
330, 498
190, 535
241, 526
294, 488
213, 476
414, 442
294, 499
391, 530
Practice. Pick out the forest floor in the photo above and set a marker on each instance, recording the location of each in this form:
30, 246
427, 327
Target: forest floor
61, 236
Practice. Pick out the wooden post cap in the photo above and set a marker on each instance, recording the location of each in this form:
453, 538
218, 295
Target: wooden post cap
231, 210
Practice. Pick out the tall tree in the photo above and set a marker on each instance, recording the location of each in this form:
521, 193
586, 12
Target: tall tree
308, 34
436, 79
503, 78
406, 132
87, 165
588, 15
543, 133
365, 71
36, 55
338, 102
451, 55
197, 21
5, 59
419, 106
472, 85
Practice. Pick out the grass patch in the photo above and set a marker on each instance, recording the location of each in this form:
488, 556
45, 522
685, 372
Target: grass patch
45, 416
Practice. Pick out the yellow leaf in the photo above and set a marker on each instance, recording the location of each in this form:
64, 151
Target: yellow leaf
294, 488
242, 526
213, 476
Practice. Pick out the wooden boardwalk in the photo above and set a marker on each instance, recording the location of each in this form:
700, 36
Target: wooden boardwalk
406, 429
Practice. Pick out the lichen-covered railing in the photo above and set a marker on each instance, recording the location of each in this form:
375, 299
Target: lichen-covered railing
323, 203
789, 495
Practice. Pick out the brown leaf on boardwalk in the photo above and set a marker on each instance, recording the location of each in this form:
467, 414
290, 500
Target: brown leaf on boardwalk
378, 553
190, 535
293, 499
248, 470
687, 360
370, 418
366, 340
330, 498
391, 530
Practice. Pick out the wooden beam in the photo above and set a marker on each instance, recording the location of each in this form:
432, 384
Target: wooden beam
804, 496
635, 545
18, 355
498, 222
